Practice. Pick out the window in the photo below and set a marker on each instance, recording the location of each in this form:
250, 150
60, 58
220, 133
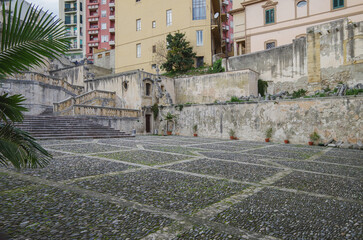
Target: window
301, 4
104, 38
99, 55
269, 16
154, 49
154, 24
103, 26
80, 7
200, 38
169, 18
138, 50
153, 66
147, 89
107, 54
199, 9
75, 19
67, 19
270, 44
104, 13
138, 25
80, 19
103, 1
200, 62
138, 0
338, 4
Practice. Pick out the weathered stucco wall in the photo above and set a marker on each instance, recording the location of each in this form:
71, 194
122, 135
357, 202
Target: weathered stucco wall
340, 118
130, 87
39, 96
331, 53
212, 87
73, 75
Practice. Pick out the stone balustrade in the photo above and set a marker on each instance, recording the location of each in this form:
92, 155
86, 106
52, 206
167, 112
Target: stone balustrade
50, 80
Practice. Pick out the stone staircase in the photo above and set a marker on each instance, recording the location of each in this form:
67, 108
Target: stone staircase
66, 127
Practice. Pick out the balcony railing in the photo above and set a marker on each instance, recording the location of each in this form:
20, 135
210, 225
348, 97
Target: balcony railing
92, 6
93, 2
112, 30
93, 44
93, 32
70, 9
112, 17
93, 19
71, 34
111, 4
112, 42
94, 40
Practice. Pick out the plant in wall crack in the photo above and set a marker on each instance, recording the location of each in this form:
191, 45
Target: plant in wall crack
155, 110
262, 87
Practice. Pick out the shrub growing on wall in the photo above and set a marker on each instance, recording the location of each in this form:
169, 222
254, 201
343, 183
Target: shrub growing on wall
262, 87
180, 56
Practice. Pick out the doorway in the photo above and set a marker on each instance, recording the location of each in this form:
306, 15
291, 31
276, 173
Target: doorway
148, 123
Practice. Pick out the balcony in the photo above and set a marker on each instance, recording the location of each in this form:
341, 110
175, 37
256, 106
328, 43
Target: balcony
93, 7
225, 28
93, 2
112, 17
93, 44
93, 14
225, 3
93, 19
71, 34
112, 30
111, 4
70, 23
67, 10
112, 42
93, 40
93, 32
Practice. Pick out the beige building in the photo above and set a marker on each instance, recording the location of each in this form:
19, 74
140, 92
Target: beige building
264, 24
142, 27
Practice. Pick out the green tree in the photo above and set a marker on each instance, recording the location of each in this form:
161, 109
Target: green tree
180, 56
25, 43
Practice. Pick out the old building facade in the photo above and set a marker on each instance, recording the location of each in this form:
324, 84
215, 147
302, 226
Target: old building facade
264, 24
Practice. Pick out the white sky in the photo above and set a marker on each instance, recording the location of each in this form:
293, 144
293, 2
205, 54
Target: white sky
51, 5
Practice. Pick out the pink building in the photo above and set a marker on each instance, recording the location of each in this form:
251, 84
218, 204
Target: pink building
100, 26
227, 26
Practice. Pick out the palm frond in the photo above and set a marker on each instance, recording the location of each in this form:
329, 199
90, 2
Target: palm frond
20, 149
11, 109
27, 42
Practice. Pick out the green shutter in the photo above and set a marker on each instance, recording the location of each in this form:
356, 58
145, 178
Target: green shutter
270, 16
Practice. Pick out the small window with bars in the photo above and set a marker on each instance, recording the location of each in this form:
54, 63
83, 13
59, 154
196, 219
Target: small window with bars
338, 4
270, 45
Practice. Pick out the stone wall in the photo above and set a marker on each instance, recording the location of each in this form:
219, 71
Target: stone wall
331, 53
340, 118
39, 95
212, 87
74, 74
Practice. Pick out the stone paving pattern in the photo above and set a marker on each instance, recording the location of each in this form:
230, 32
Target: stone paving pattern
152, 187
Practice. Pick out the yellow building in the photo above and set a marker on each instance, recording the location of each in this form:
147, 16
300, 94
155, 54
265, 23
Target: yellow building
142, 27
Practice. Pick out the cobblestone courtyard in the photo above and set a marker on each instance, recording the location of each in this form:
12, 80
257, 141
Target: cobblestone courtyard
152, 187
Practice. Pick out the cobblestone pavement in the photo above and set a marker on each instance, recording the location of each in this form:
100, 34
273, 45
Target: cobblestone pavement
172, 187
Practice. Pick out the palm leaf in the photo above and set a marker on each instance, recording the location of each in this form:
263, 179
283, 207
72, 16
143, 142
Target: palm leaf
20, 149
11, 109
27, 42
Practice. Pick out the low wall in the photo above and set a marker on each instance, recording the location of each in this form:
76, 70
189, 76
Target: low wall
331, 53
124, 124
73, 75
39, 96
87, 110
340, 118
212, 87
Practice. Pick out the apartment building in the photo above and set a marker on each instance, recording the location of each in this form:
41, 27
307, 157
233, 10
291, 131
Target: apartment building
142, 27
100, 26
72, 14
227, 27
264, 24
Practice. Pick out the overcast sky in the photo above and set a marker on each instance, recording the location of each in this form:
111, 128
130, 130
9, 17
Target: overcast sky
51, 5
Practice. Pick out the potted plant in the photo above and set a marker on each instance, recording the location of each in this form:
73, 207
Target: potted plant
169, 117
195, 129
314, 137
268, 134
232, 134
